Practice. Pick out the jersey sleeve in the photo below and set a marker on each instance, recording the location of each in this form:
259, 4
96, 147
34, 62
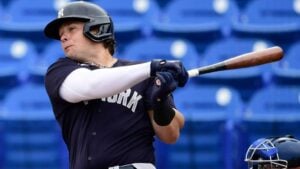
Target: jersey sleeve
56, 75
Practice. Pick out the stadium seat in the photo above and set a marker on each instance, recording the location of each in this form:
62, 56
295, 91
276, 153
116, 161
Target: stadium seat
163, 3
146, 49
130, 17
50, 54
31, 136
200, 22
1, 10
28, 19
277, 20
206, 136
245, 80
242, 4
272, 111
287, 71
15, 56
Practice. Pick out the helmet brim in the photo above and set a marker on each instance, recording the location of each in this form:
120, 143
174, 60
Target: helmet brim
52, 28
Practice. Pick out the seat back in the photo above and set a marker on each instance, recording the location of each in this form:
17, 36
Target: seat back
209, 113
280, 12
49, 55
275, 20
245, 80
287, 71
197, 21
291, 59
15, 56
27, 19
163, 48
37, 15
31, 135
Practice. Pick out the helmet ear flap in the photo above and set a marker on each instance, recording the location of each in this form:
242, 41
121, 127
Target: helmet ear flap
99, 29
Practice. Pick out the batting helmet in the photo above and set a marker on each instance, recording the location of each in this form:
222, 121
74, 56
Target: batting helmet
274, 152
93, 16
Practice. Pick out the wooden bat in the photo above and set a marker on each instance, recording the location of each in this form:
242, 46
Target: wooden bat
250, 59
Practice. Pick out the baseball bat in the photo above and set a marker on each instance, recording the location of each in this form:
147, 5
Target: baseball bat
250, 59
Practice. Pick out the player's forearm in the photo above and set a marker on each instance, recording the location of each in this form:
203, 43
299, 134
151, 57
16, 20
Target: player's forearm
168, 134
83, 84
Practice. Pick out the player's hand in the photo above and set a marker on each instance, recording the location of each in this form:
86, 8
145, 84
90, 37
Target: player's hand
160, 87
174, 67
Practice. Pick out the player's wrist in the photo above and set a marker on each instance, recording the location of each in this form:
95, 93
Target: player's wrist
163, 111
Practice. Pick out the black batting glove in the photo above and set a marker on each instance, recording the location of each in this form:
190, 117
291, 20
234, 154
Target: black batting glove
161, 86
182, 75
175, 67
158, 95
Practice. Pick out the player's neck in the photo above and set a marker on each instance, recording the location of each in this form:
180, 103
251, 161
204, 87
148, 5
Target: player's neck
104, 59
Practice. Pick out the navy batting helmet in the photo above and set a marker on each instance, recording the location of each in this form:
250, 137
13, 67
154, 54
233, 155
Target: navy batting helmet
94, 17
274, 152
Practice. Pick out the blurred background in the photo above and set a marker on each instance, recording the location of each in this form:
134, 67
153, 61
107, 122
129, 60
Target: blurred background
224, 111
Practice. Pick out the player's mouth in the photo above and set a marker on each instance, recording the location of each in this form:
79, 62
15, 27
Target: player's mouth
67, 47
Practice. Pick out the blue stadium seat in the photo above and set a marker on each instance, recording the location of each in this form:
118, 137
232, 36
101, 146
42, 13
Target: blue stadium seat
210, 112
272, 111
15, 56
245, 80
131, 18
31, 136
200, 22
277, 20
1, 10
27, 19
36, 13
287, 71
242, 4
50, 54
163, 3
163, 48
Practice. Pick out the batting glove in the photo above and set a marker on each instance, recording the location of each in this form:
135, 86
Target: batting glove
158, 95
175, 67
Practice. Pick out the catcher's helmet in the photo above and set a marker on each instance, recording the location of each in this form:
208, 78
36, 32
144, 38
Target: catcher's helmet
93, 15
274, 152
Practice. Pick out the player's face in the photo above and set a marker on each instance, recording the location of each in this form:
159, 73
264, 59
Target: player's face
74, 43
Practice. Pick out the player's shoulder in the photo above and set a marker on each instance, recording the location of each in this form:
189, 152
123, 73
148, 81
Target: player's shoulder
61, 62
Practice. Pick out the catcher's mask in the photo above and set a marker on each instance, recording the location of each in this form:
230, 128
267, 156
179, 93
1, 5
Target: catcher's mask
95, 19
274, 153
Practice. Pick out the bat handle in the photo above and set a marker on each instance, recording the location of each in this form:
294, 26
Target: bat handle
206, 69
193, 73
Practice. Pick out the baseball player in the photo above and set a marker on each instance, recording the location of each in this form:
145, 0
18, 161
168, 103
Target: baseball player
109, 109
274, 153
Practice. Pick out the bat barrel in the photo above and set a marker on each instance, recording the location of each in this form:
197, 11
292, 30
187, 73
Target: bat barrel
242, 61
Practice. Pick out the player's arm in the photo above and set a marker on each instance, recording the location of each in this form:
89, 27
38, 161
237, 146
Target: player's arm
166, 120
170, 133
84, 84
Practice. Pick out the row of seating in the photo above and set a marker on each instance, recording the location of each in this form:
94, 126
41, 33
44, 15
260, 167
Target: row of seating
181, 18
219, 127
21, 62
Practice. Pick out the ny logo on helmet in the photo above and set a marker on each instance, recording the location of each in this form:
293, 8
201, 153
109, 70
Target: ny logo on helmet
61, 13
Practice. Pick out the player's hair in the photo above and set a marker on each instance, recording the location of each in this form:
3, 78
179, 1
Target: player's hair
110, 44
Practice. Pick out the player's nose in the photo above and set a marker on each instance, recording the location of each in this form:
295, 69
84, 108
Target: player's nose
63, 37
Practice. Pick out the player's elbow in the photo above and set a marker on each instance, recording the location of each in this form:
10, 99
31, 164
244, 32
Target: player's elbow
170, 138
